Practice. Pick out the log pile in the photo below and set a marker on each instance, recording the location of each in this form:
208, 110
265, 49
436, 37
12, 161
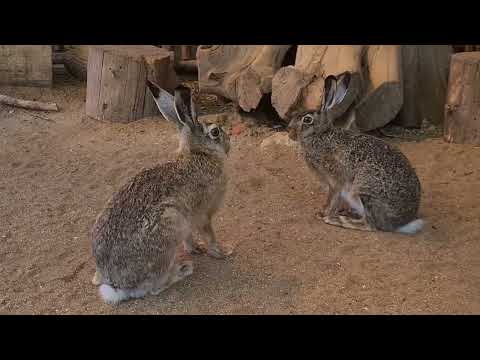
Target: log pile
389, 83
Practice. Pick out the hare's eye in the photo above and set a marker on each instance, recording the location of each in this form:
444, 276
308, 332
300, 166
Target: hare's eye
214, 132
307, 119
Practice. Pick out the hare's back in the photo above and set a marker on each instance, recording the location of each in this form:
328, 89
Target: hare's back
384, 166
139, 196
136, 233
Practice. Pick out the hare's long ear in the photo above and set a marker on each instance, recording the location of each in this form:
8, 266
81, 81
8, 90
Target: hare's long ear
183, 105
343, 82
193, 110
165, 103
329, 92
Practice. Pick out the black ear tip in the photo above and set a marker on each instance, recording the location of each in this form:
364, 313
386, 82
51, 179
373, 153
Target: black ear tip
330, 81
330, 78
183, 92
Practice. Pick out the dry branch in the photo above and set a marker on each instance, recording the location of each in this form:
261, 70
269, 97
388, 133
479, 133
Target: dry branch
28, 104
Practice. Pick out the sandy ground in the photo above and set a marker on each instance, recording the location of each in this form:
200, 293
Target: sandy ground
56, 172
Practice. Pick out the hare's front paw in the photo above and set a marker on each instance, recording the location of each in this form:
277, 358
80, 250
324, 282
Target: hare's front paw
218, 253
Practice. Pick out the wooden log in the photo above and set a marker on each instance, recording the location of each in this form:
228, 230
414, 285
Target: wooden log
189, 66
462, 109
425, 79
26, 65
383, 95
116, 83
188, 52
241, 73
28, 104
58, 58
75, 60
181, 52
312, 64
464, 48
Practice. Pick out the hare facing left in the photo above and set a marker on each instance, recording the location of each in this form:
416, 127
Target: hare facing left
135, 238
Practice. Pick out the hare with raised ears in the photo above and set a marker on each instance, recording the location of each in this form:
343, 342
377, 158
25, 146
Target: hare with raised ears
136, 236
374, 179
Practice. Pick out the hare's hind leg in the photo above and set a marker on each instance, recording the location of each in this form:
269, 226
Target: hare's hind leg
333, 203
349, 222
355, 203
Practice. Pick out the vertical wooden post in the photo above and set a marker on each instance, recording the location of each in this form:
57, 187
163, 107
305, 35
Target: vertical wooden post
462, 109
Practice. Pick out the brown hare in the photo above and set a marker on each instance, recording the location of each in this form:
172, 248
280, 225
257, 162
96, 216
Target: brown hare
136, 236
373, 178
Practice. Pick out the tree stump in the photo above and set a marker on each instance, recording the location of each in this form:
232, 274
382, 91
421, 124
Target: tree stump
26, 65
462, 109
116, 81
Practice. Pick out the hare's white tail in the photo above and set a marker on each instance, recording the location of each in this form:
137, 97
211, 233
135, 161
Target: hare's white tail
412, 227
112, 296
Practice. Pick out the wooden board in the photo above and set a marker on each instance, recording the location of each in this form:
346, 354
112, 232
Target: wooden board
26, 65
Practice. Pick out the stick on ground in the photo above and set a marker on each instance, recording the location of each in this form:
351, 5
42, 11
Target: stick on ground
28, 104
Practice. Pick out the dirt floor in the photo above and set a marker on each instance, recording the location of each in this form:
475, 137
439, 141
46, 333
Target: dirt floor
58, 169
